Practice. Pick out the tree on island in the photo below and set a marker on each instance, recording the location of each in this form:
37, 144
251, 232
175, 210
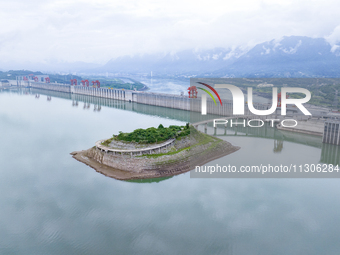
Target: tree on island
154, 135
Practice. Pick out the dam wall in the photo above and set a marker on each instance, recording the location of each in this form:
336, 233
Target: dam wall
148, 98
155, 99
51, 86
141, 97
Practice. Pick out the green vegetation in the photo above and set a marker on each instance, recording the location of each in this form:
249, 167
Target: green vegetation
59, 78
154, 135
172, 152
107, 142
11, 74
200, 139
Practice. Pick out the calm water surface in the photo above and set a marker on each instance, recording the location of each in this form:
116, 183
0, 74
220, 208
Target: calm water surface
53, 204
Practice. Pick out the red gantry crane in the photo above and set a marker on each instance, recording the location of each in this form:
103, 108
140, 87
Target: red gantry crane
192, 91
279, 99
74, 82
95, 84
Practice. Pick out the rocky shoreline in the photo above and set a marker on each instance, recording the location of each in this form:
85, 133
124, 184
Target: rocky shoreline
195, 150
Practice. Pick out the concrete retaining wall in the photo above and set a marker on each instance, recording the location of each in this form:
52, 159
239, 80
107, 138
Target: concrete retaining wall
148, 150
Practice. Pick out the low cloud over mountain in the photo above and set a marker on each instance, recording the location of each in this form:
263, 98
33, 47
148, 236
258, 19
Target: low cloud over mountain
293, 56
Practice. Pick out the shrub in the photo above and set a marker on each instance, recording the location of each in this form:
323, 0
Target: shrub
153, 135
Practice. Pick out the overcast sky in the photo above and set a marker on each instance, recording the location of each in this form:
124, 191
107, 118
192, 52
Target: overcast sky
96, 31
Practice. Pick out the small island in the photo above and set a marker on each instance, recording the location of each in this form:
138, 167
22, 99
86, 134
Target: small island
153, 152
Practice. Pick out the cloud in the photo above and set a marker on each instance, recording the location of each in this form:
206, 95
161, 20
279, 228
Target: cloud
96, 31
292, 50
334, 37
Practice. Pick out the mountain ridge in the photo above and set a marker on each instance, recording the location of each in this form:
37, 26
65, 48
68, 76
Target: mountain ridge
293, 56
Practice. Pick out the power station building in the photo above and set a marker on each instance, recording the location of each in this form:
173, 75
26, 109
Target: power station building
331, 132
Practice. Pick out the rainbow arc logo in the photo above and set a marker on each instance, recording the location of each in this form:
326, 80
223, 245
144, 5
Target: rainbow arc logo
204, 98
209, 93
238, 99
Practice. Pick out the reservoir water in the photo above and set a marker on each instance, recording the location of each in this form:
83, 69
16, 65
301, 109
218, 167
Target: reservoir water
53, 204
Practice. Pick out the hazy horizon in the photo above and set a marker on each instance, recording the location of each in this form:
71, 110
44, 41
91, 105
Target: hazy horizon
56, 32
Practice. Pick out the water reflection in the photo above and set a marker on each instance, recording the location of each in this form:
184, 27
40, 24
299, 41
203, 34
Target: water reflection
329, 153
118, 104
86, 106
266, 132
52, 204
97, 108
278, 146
151, 180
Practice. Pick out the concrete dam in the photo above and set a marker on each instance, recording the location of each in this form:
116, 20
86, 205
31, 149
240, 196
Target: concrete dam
156, 99
191, 105
148, 98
